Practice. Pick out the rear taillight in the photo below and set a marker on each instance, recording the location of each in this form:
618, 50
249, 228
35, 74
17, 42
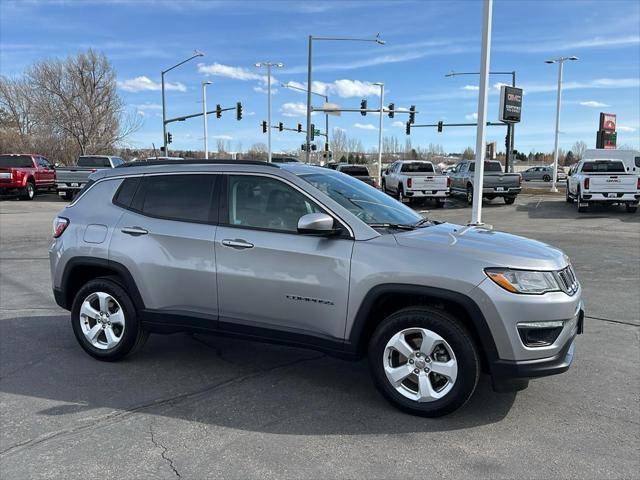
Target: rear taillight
519, 180
586, 183
448, 182
409, 182
638, 184
60, 224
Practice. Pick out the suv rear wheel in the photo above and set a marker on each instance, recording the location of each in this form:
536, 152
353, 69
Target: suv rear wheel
104, 320
29, 191
424, 361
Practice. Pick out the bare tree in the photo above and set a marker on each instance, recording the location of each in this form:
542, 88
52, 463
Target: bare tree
468, 154
76, 98
578, 149
16, 101
338, 142
220, 145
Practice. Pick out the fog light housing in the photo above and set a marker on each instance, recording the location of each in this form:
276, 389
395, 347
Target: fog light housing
539, 334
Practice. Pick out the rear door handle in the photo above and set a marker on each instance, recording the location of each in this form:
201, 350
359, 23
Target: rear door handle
135, 231
238, 244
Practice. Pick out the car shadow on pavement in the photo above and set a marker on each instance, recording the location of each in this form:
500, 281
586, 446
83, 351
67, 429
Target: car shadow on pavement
556, 208
212, 380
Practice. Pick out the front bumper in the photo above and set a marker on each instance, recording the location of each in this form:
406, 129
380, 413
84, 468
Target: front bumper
611, 197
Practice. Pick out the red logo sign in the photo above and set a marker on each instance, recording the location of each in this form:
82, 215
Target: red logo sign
608, 122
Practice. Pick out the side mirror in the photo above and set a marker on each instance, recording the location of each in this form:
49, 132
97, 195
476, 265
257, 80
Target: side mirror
316, 224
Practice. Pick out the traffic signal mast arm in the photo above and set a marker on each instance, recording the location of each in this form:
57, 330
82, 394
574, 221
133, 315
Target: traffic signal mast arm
186, 117
358, 110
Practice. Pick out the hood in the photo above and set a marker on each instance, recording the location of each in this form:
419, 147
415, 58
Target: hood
489, 247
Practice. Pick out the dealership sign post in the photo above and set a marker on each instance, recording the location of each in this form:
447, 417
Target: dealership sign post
607, 135
510, 104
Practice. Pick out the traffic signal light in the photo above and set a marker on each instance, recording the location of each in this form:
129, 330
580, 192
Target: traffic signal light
392, 107
408, 128
304, 146
326, 146
412, 114
239, 111
299, 128
440, 126
218, 111
312, 133
363, 107
169, 137
280, 126
264, 126
314, 147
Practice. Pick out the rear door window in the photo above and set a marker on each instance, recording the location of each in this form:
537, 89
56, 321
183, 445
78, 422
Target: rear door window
93, 162
185, 198
417, 167
16, 161
355, 171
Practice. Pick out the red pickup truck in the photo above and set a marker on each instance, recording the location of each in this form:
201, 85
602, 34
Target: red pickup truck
25, 174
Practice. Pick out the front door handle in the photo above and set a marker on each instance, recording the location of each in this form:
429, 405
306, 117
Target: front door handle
238, 244
135, 231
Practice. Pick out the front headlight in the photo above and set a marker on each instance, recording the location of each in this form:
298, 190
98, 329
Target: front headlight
523, 281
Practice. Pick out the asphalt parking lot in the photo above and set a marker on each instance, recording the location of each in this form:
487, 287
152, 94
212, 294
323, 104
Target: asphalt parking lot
202, 407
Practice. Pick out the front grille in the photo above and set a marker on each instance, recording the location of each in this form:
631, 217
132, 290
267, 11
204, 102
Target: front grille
568, 281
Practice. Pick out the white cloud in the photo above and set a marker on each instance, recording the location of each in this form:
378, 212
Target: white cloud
142, 83
593, 104
343, 88
472, 116
227, 71
259, 89
473, 88
623, 128
147, 106
564, 45
593, 84
498, 85
294, 109
222, 137
398, 124
365, 126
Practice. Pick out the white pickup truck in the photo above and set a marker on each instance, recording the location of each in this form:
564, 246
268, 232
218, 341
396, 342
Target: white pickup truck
602, 180
413, 179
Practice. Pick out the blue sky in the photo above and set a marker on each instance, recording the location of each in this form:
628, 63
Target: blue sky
424, 41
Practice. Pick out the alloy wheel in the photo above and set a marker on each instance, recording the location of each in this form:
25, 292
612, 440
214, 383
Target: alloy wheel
420, 364
102, 320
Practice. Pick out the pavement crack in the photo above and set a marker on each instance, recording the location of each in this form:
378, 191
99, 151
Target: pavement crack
163, 454
119, 415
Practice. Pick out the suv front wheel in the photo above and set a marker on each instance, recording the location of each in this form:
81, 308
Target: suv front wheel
104, 321
424, 361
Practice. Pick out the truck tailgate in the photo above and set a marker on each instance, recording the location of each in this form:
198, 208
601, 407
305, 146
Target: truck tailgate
613, 182
430, 182
492, 180
73, 175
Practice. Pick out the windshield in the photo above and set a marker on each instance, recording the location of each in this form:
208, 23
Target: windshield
93, 162
355, 171
417, 167
488, 167
367, 203
609, 166
16, 161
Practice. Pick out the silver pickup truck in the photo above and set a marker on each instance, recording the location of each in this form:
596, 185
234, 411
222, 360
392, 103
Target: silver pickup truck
70, 180
496, 183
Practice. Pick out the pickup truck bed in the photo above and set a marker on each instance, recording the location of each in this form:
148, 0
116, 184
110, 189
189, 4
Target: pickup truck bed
70, 180
495, 183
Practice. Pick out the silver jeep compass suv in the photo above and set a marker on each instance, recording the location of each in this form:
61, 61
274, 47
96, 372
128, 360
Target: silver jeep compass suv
311, 257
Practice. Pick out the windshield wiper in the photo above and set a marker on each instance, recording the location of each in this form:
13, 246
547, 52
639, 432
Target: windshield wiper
396, 226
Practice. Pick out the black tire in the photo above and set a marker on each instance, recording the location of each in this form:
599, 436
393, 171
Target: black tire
133, 335
546, 178
631, 208
470, 195
439, 203
580, 209
509, 200
29, 191
453, 332
65, 195
400, 193
383, 186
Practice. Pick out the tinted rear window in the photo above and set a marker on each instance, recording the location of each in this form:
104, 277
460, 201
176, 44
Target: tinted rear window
127, 190
355, 171
609, 166
488, 167
184, 198
16, 161
93, 162
637, 160
417, 167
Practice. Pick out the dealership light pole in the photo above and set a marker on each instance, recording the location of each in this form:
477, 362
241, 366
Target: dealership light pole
269, 65
380, 124
560, 61
164, 108
326, 100
485, 62
204, 116
377, 40
511, 130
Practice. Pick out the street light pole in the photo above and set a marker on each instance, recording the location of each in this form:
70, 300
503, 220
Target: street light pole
485, 62
560, 61
269, 65
164, 107
380, 125
204, 116
326, 99
377, 40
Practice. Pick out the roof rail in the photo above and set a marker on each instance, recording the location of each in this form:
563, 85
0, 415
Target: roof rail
196, 161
